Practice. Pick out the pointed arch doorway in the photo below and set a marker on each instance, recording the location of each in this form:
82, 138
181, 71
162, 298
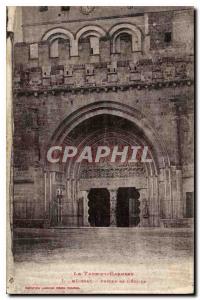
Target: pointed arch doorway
109, 123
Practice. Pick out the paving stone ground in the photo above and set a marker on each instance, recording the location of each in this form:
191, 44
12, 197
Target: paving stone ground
161, 259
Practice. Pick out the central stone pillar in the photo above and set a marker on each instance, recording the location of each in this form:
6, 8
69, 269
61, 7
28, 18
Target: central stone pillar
113, 208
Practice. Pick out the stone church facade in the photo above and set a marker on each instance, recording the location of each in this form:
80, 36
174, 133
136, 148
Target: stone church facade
103, 76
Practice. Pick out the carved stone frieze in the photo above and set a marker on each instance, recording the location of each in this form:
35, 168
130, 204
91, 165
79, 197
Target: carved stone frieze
143, 74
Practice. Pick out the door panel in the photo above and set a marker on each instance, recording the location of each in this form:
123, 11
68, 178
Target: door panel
128, 207
99, 207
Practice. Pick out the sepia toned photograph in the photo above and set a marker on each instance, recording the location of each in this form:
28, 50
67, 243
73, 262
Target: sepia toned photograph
100, 172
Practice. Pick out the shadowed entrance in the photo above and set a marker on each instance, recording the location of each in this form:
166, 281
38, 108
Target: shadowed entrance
99, 207
128, 207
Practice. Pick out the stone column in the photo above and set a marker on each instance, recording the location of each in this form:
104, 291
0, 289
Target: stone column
46, 201
154, 214
113, 206
85, 209
178, 205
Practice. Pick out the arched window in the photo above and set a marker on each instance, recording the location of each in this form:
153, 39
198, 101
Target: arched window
60, 48
60, 38
88, 46
124, 43
125, 37
54, 49
84, 49
88, 39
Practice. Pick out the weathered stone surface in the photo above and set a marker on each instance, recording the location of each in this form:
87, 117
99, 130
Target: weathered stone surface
148, 95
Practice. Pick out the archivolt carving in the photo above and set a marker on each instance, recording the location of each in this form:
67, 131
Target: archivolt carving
114, 172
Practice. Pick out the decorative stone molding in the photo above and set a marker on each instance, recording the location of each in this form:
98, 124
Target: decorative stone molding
113, 206
122, 75
85, 208
114, 172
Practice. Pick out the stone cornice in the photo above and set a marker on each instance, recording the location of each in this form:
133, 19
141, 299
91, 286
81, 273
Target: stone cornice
99, 88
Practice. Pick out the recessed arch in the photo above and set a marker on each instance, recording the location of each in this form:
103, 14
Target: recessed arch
116, 40
63, 33
90, 29
90, 33
57, 31
58, 36
131, 29
115, 109
94, 33
101, 138
53, 47
78, 184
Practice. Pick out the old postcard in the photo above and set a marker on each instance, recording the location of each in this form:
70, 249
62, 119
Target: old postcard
100, 150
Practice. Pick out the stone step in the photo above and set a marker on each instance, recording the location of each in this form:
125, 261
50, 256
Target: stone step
180, 223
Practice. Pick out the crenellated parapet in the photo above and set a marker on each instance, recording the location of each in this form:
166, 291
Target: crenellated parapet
144, 74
